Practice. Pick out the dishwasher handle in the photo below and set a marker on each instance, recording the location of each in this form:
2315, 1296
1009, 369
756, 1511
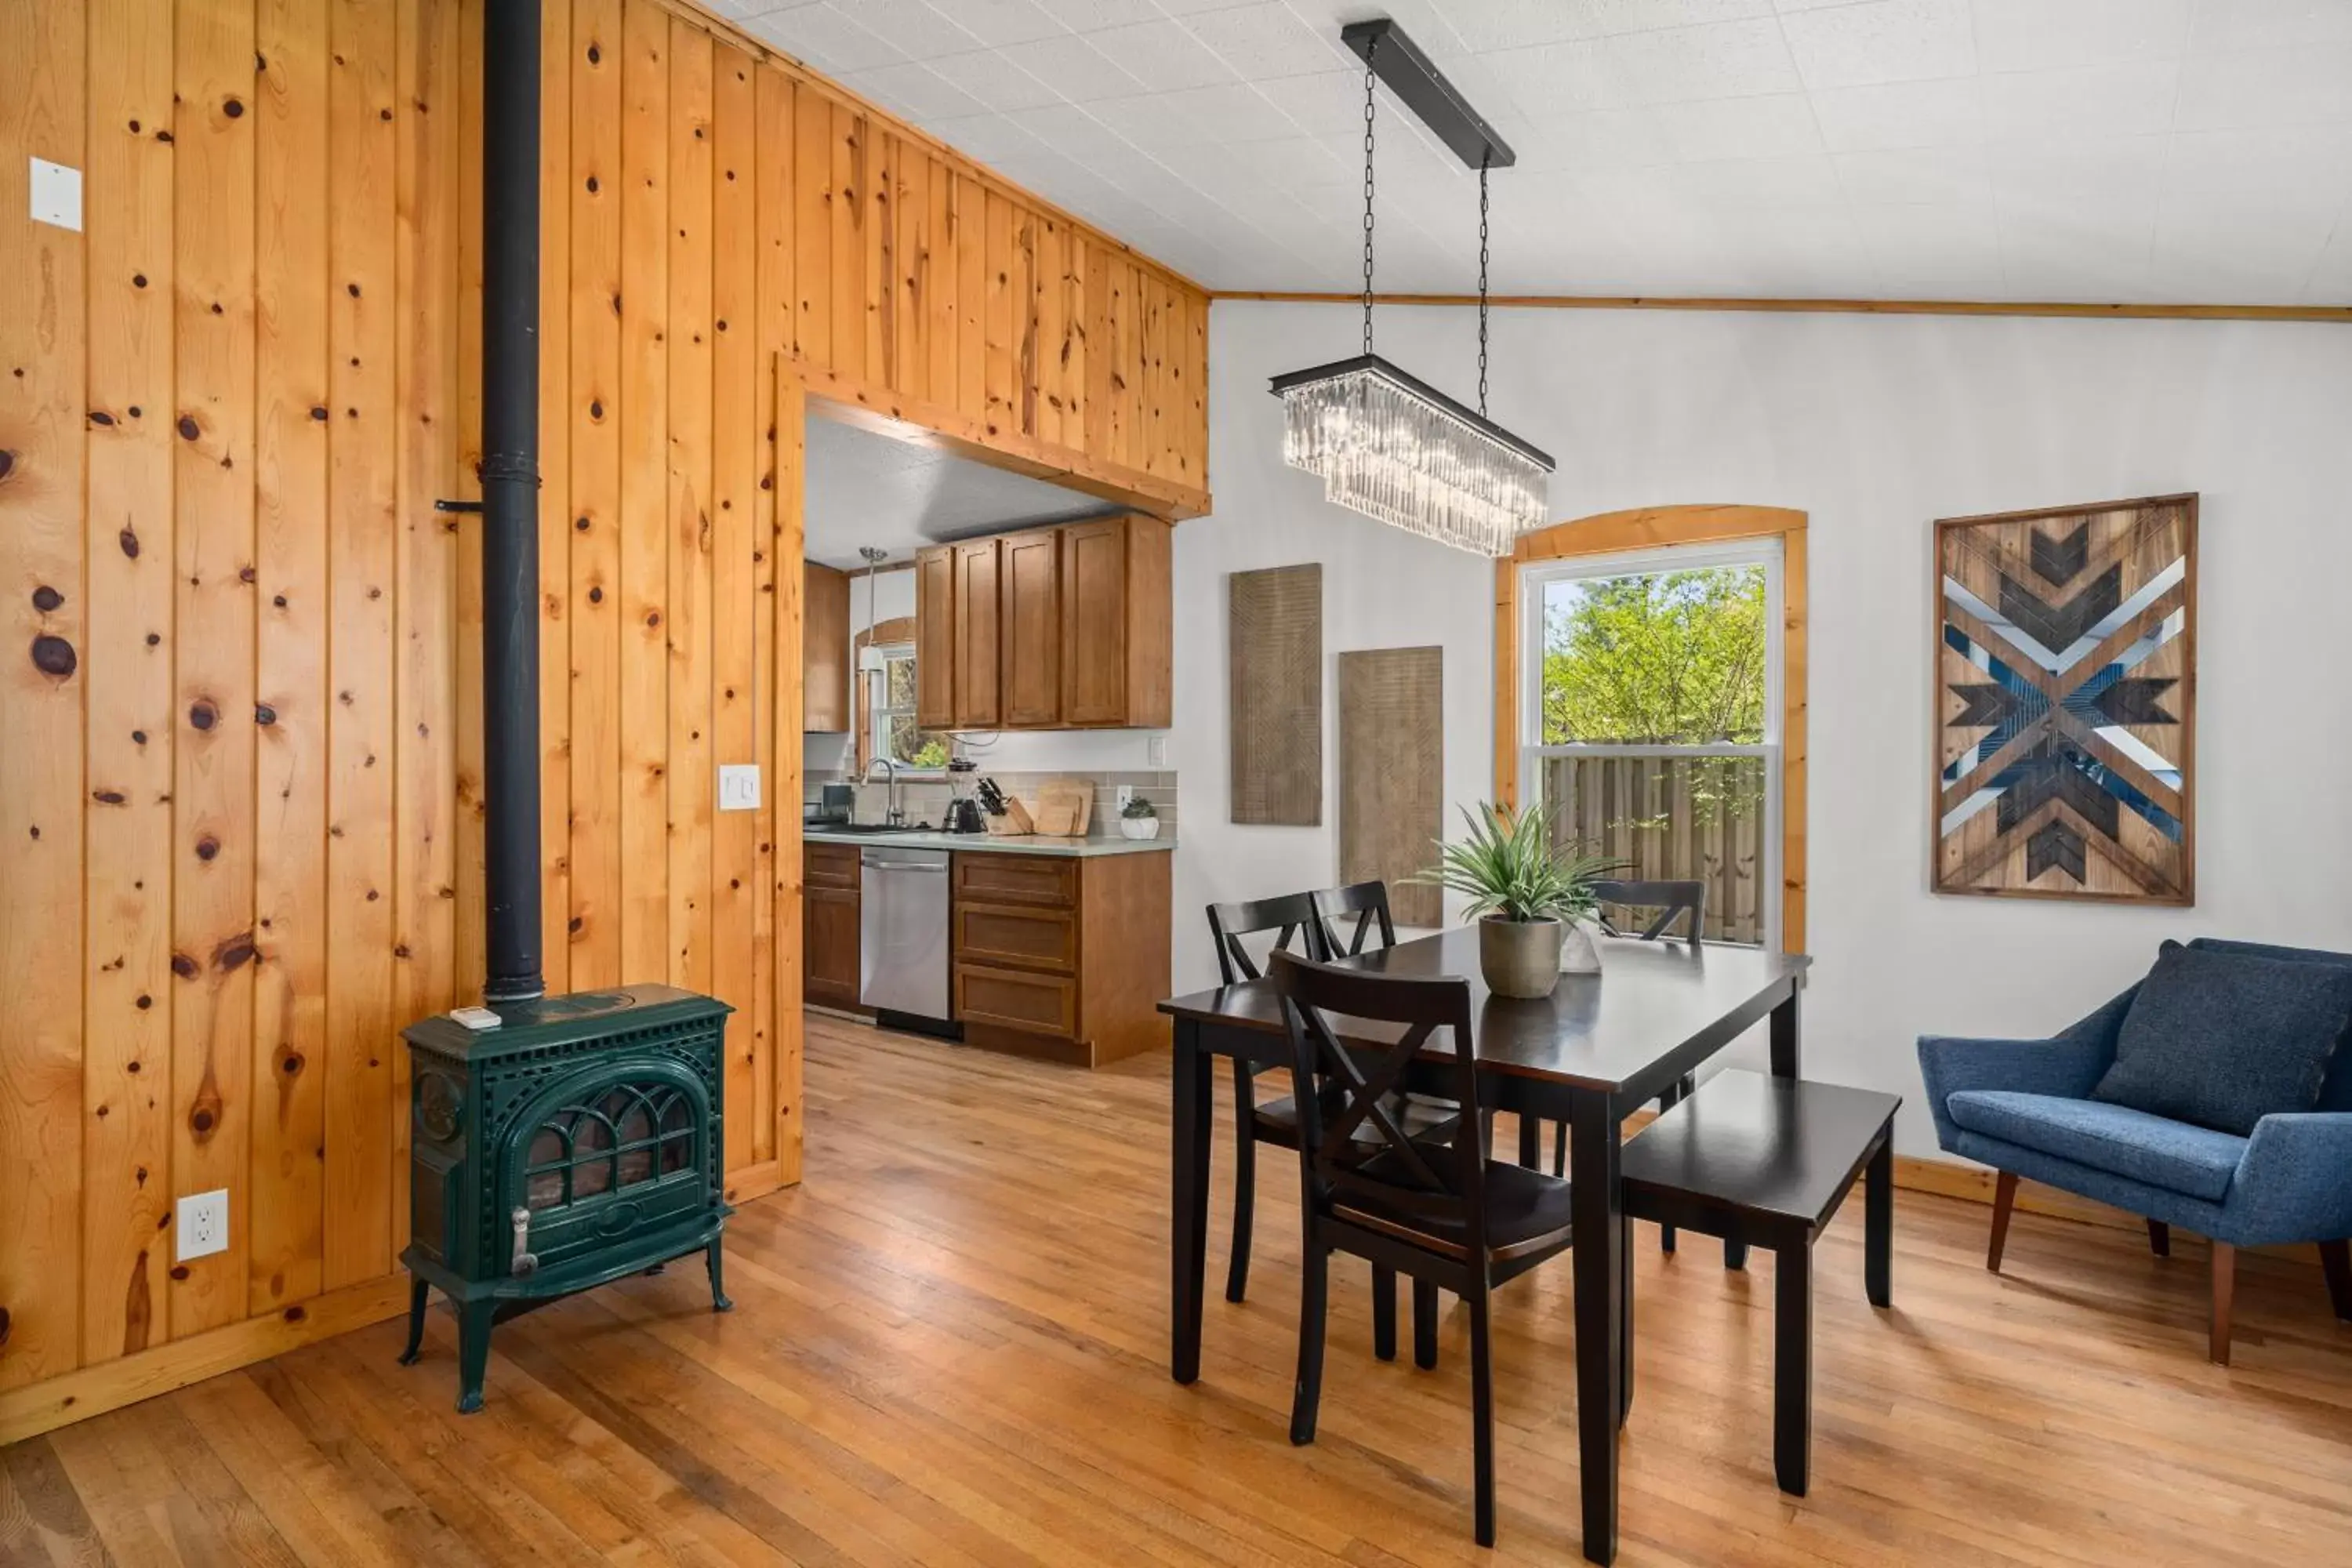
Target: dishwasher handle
929, 867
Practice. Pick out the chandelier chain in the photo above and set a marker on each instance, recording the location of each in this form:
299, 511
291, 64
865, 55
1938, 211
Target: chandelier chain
1484, 158
1371, 80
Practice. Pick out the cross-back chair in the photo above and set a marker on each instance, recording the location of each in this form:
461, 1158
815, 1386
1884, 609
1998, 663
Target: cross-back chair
1429, 1204
1350, 917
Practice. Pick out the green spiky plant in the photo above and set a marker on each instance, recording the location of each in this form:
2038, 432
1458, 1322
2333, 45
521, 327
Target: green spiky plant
1506, 867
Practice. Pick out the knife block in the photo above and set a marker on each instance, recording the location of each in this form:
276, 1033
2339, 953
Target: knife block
1014, 824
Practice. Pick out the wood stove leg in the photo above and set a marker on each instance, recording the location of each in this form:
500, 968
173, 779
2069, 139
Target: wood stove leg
718, 1302
474, 1319
418, 1292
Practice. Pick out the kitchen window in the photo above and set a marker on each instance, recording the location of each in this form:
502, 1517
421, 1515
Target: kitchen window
1650, 720
894, 732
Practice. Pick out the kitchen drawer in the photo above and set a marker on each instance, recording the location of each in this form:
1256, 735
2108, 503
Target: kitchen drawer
1016, 999
1020, 938
830, 866
989, 877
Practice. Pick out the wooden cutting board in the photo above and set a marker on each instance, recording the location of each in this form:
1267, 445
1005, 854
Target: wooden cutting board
1063, 807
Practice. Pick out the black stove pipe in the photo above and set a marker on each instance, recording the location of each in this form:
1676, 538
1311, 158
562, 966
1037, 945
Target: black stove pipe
510, 110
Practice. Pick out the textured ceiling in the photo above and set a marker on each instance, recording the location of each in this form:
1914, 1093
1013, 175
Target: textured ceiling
864, 489
2082, 150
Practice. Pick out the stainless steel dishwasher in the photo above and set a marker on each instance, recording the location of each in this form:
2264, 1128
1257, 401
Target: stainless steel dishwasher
902, 960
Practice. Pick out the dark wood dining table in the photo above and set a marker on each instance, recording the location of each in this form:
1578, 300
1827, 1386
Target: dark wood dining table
1594, 1050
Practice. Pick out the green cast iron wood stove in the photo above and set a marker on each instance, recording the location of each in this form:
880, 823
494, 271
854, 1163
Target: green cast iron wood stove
578, 1141
575, 1139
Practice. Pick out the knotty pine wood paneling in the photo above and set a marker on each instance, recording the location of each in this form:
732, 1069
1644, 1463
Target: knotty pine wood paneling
240, 768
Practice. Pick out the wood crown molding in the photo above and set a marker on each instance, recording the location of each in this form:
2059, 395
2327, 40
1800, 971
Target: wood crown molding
2340, 315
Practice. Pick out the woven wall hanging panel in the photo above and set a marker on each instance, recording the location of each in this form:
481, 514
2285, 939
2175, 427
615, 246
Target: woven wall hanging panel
1276, 661
2066, 702
1392, 775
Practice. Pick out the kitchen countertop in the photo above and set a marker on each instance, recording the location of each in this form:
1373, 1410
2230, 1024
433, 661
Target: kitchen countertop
983, 843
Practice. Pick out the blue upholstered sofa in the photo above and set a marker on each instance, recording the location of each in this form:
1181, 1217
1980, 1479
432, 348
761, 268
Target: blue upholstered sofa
2022, 1106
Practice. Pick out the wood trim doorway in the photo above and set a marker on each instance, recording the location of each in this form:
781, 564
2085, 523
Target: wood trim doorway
1648, 527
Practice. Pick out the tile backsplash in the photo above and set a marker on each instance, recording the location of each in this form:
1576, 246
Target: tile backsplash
925, 800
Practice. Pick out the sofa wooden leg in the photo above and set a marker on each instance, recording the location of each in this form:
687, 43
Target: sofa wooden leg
2004, 1198
2225, 1285
2160, 1238
2335, 1259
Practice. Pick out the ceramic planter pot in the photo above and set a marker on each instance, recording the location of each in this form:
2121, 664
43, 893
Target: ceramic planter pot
1138, 827
1520, 958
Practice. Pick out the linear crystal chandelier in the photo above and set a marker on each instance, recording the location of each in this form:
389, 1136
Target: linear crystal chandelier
1386, 444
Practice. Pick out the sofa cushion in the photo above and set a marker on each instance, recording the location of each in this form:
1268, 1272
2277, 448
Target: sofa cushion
2116, 1138
2223, 1039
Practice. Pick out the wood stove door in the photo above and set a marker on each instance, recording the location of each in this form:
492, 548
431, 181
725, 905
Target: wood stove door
616, 1151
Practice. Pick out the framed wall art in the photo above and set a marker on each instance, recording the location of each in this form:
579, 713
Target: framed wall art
2066, 702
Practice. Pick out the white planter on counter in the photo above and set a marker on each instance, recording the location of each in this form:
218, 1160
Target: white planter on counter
1138, 827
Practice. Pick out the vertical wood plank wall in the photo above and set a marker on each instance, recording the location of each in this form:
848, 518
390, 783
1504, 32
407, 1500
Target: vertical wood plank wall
240, 743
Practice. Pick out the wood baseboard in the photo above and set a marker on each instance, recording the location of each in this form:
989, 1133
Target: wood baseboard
43, 1406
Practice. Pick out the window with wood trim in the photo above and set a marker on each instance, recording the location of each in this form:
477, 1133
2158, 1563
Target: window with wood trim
1648, 717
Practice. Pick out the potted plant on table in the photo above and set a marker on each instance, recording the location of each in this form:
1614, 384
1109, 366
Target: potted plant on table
1136, 819
1525, 895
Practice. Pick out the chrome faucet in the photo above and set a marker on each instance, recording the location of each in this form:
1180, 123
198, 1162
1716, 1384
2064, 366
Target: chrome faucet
897, 816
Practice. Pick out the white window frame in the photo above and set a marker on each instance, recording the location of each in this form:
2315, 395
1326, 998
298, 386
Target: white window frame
877, 731
1535, 577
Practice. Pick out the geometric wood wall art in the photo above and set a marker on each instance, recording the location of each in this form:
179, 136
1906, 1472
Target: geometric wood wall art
1392, 775
2066, 702
1275, 661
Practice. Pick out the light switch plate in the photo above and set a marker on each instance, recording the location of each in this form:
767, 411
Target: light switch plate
738, 786
1155, 751
203, 1225
57, 195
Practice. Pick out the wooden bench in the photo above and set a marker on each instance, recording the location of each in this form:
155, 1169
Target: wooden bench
1764, 1160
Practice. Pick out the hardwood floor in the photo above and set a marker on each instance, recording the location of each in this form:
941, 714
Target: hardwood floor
950, 1348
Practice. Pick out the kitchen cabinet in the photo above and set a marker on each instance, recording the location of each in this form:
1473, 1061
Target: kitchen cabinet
829, 919
1068, 627
1118, 624
979, 704
935, 638
1031, 628
824, 650
1061, 958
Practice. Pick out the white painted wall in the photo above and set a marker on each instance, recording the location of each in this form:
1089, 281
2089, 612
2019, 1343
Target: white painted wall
1875, 427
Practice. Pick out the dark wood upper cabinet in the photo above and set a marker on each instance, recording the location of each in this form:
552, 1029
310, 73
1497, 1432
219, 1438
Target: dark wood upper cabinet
824, 650
935, 638
1068, 627
1118, 628
1032, 628
978, 635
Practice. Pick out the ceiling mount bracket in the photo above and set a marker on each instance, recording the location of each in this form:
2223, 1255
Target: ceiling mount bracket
1397, 60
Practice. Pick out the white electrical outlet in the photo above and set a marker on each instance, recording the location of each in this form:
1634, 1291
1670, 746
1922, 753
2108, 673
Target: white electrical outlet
203, 1225
738, 786
1126, 793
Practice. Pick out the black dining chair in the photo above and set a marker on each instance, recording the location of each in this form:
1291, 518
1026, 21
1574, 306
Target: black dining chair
1670, 897
1366, 904
1432, 1207
1292, 918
